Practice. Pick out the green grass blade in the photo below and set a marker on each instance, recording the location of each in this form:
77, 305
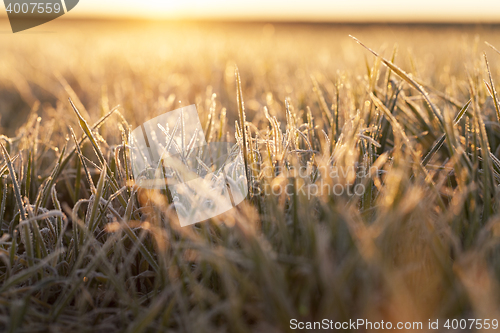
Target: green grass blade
92, 222
397, 127
402, 74
439, 143
17, 190
491, 88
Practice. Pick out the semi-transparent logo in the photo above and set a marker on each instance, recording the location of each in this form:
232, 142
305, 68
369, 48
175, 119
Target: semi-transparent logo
26, 14
203, 179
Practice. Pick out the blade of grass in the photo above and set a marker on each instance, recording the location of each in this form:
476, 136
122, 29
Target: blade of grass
17, 190
88, 131
494, 48
397, 127
439, 143
25, 228
27, 273
491, 88
28, 176
4, 202
243, 126
402, 74
82, 161
91, 222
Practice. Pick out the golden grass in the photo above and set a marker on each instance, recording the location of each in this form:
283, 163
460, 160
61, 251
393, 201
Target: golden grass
84, 249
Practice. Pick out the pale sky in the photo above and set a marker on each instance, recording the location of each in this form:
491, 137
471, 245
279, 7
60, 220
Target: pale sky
305, 10
373, 10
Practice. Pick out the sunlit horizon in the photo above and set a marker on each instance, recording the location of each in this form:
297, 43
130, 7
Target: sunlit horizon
280, 10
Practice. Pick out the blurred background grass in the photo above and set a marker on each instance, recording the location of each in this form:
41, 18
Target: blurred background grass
183, 60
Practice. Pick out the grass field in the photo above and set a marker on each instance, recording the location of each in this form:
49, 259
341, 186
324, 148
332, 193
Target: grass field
83, 249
